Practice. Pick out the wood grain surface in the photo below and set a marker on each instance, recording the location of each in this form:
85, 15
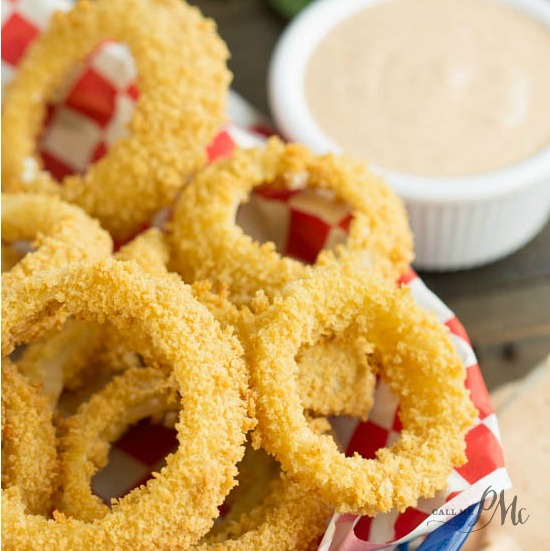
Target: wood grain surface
504, 306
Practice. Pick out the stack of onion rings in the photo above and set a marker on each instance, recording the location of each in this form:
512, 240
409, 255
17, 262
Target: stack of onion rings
339, 355
336, 377
248, 340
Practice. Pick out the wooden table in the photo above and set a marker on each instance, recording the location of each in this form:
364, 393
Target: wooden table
505, 306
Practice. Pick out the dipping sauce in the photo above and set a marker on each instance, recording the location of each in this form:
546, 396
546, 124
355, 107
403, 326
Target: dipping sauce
434, 87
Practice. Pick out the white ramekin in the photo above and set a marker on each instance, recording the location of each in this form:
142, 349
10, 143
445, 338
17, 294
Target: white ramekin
457, 222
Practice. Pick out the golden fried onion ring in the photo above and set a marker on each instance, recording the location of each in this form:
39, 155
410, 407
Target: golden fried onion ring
29, 454
289, 518
62, 233
270, 511
62, 359
207, 243
419, 363
183, 79
136, 394
160, 318
336, 376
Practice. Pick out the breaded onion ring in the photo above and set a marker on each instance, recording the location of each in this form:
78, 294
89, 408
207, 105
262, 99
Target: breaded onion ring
336, 376
183, 79
161, 319
63, 359
419, 363
207, 243
61, 233
128, 398
289, 518
29, 454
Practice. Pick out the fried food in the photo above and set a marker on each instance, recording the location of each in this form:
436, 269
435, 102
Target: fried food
285, 517
134, 395
267, 510
94, 342
160, 318
183, 80
29, 455
59, 359
61, 233
418, 362
290, 519
206, 243
66, 358
337, 377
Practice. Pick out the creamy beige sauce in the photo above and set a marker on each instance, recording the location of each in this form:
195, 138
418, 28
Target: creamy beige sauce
434, 87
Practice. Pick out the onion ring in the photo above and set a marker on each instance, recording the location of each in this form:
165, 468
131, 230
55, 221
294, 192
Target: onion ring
128, 398
160, 318
29, 454
63, 359
335, 376
288, 519
419, 363
183, 79
280, 516
62, 233
207, 244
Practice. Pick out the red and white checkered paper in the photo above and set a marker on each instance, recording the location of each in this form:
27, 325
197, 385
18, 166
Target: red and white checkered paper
89, 113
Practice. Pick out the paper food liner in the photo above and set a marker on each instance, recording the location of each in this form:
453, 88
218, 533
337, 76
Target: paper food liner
89, 113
